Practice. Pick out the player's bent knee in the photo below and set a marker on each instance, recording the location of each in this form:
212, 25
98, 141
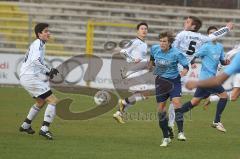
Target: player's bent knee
40, 103
52, 99
234, 98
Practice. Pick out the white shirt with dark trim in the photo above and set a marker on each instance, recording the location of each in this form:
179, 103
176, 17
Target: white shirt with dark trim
137, 49
189, 42
33, 63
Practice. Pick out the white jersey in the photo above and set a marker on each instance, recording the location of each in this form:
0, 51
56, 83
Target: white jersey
33, 63
189, 42
134, 50
230, 54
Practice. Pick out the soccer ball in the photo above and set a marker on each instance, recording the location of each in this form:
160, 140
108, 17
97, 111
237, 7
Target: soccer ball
102, 97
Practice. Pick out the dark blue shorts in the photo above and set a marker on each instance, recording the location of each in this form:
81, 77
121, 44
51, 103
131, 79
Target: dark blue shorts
166, 88
206, 92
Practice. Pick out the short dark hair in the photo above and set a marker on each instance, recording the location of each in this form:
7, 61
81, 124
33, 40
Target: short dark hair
142, 23
197, 22
210, 28
167, 34
39, 28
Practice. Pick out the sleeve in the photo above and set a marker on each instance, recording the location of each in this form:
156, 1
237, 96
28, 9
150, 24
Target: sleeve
219, 33
234, 66
182, 60
128, 47
36, 59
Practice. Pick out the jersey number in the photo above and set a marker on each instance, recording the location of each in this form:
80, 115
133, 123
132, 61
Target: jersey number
191, 48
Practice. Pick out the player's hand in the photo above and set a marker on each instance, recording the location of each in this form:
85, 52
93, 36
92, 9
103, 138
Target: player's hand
229, 25
191, 84
183, 72
53, 72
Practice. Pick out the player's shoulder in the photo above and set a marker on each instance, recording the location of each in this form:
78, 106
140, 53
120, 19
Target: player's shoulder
155, 47
175, 50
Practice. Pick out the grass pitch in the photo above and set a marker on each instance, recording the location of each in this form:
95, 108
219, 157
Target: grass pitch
103, 138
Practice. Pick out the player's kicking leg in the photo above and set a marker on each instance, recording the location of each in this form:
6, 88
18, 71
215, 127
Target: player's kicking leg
124, 104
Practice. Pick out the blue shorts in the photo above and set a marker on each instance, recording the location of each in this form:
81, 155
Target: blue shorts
166, 88
206, 92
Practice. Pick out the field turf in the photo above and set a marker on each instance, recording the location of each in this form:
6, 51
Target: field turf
103, 138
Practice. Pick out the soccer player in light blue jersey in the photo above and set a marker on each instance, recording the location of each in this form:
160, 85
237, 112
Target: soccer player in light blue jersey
211, 54
166, 60
231, 69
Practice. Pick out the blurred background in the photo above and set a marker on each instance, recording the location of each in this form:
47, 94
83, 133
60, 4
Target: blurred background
99, 26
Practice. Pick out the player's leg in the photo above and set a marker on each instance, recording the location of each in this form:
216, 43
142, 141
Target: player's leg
34, 87
197, 97
131, 68
171, 114
220, 108
236, 87
163, 120
235, 93
175, 96
125, 104
179, 117
49, 115
34, 110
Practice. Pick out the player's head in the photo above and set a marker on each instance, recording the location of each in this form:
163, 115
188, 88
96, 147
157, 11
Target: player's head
42, 32
211, 29
142, 30
192, 24
166, 40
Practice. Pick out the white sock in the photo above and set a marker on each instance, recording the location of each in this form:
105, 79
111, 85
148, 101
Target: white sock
171, 115
25, 125
214, 98
33, 112
44, 128
229, 95
124, 102
50, 113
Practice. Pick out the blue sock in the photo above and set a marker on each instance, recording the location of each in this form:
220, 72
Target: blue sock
163, 123
186, 107
179, 119
220, 108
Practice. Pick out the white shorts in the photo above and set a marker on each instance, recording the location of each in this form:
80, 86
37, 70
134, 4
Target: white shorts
34, 85
236, 80
140, 87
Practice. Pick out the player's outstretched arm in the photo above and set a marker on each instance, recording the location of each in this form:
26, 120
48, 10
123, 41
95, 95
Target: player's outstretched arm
221, 32
211, 82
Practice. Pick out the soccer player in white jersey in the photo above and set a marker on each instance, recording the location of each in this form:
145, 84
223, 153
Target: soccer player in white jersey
189, 41
34, 75
135, 52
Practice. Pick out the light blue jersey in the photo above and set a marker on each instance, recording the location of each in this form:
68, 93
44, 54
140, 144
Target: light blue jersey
234, 66
211, 54
166, 63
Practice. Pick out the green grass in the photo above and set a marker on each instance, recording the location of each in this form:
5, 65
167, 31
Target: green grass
103, 138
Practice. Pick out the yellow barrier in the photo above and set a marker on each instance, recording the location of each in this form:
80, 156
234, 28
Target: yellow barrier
90, 32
